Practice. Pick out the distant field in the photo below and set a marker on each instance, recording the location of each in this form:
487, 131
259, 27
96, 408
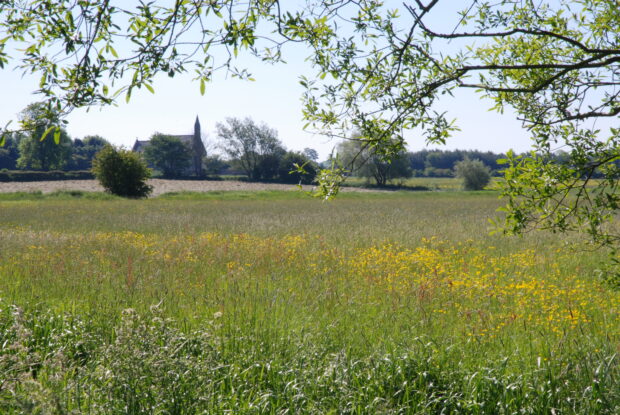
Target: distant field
161, 186
273, 302
432, 183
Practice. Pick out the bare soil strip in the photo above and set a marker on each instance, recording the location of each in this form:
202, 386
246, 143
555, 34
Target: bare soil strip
160, 186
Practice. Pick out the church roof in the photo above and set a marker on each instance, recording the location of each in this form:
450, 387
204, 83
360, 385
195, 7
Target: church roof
192, 141
139, 145
187, 139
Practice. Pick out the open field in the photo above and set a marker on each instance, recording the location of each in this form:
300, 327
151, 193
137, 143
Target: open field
274, 302
431, 183
160, 186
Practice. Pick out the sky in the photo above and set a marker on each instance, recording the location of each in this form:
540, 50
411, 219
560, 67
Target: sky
274, 98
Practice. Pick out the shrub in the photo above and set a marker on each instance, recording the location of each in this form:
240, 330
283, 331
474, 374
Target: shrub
122, 172
475, 174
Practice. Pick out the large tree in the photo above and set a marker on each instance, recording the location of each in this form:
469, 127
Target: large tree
9, 154
361, 160
84, 151
379, 70
254, 148
38, 154
167, 154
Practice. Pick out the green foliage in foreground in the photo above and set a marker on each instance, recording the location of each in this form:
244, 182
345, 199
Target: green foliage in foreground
59, 363
284, 303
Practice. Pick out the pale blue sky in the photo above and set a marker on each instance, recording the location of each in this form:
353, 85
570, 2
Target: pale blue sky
274, 98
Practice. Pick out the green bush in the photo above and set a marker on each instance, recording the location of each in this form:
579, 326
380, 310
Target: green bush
475, 174
122, 172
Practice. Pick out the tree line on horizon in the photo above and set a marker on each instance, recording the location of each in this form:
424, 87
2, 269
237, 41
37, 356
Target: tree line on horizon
265, 159
249, 149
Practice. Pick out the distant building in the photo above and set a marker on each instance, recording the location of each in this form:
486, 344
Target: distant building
194, 144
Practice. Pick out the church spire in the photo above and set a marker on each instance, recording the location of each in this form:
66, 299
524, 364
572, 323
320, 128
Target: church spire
198, 149
197, 127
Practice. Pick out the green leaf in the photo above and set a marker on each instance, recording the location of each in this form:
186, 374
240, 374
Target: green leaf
150, 88
202, 86
49, 130
57, 135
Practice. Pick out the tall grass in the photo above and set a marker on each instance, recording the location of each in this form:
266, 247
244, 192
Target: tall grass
391, 303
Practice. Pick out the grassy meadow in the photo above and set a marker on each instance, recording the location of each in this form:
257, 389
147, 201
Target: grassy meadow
414, 183
273, 302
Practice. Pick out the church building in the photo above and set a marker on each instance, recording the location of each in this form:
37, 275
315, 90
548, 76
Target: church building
194, 144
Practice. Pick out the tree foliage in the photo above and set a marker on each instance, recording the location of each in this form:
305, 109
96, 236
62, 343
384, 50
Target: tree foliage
425, 162
254, 147
362, 160
311, 154
122, 172
167, 154
38, 154
475, 175
379, 70
297, 168
214, 165
44, 155
9, 154
84, 151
